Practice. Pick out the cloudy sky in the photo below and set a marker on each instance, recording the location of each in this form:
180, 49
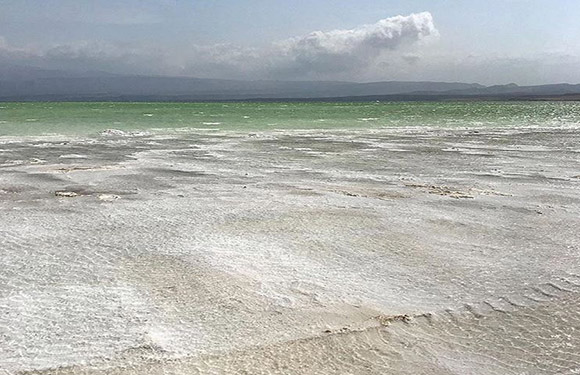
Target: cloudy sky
490, 42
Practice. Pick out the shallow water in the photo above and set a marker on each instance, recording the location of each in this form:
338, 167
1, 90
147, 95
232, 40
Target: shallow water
372, 249
89, 118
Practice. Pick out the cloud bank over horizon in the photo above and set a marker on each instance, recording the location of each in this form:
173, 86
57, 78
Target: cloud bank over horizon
406, 47
318, 55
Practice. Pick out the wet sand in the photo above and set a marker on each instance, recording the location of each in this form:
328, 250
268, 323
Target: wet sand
400, 251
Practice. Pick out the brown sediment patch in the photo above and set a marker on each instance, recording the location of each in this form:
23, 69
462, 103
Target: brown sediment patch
382, 195
84, 190
66, 194
382, 320
305, 192
457, 194
386, 320
349, 194
490, 192
87, 168
441, 190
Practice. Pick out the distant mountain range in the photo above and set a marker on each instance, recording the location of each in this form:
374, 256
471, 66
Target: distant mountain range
31, 84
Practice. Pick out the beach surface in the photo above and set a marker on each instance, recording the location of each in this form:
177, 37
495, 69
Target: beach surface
384, 250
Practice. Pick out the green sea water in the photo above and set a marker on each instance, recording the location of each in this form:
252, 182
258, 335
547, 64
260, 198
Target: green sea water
91, 118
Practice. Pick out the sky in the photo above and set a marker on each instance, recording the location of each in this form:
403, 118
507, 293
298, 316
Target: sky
488, 42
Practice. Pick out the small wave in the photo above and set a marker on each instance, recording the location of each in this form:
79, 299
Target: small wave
369, 119
211, 123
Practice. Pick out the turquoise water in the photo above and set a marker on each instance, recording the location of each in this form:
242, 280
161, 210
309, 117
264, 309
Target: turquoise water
89, 118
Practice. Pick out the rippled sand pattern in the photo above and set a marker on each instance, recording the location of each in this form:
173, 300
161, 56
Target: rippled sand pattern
385, 251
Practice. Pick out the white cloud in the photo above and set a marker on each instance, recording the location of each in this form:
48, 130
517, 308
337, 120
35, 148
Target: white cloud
367, 40
317, 55
396, 48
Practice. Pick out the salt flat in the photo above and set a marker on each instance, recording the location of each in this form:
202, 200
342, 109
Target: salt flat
363, 251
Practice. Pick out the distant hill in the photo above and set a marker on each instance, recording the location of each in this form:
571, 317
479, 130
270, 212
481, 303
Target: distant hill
32, 84
513, 89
